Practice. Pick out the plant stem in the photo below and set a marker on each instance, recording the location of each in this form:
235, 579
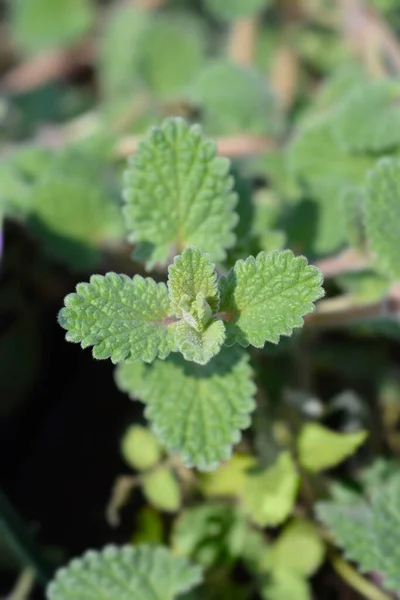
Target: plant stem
22, 542
357, 581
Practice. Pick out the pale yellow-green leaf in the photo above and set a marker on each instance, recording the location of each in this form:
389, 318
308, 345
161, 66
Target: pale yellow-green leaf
299, 548
140, 448
286, 585
229, 479
162, 490
319, 448
270, 494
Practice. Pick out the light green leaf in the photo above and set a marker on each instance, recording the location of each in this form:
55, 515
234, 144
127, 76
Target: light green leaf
40, 24
286, 585
122, 318
382, 214
199, 346
161, 489
235, 9
126, 573
326, 172
234, 99
73, 216
368, 118
178, 193
319, 448
266, 297
206, 532
269, 496
140, 448
119, 52
299, 549
192, 273
197, 411
172, 51
229, 479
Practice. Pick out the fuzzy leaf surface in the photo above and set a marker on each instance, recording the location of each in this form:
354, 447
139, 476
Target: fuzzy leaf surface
178, 193
200, 346
196, 411
266, 297
127, 573
368, 118
382, 214
122, 318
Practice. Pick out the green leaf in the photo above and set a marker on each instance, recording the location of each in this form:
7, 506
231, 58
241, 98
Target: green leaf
119, 54
208, 533
178, 193
299, 549
235, 9
326, 172
161, 489
197, 411
319, 448
234, 99
368, 118
200, 346
73, 217
40, 24
191, 274
286, 585
126, 573
229, 479
140, 448
382, 214
269, 495
172, 51
122, 318
266, 297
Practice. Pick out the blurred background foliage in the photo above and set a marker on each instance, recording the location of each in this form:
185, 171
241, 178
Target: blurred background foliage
281, 85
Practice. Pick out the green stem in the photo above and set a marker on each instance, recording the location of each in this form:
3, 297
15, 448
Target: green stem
356, 581
22, 542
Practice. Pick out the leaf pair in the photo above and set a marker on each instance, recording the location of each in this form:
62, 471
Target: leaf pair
126, 319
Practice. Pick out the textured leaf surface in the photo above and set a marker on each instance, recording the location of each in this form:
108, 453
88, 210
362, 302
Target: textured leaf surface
235, 9
234, 99
369, 531
122, 318
197, 411
265, 297
319, 448
126, 573
162, 490
269, 495
38, 24
140, 448
368, 119
200, 346
179, 193
382, 214
191, 274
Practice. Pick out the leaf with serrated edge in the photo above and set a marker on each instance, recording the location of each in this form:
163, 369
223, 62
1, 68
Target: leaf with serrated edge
265, 297
200, 346
122, 318
178, 193
191, 273
125, 573
382, 214
319, 448
197, 411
